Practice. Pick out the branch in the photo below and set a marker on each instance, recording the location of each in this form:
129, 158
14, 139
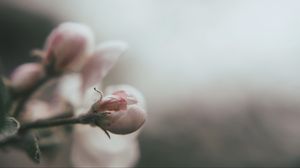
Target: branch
89, 118
48, 123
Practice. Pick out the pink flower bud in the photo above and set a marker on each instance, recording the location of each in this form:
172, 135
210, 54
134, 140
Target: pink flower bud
113, 103
116, 102
26, 76
67, 46
127, 121
126, 112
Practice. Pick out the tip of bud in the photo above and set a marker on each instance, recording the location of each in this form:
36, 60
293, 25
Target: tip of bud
66, 45
127, 113
26, 76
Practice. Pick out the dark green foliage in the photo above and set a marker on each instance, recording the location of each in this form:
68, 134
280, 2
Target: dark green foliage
32, 148
10, 128
4, 102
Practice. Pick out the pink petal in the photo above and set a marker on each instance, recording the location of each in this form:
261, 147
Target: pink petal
133, 95
120, 93
26, 76
69, 44
129, 98
112, 103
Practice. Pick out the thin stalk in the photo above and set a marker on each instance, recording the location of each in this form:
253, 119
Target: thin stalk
89, 118
49, 123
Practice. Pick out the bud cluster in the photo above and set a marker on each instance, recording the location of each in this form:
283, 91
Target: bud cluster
70, 49
65, 50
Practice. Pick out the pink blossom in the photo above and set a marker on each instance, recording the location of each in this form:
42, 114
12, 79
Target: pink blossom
90, 146
92, 73
126, 113
68, 45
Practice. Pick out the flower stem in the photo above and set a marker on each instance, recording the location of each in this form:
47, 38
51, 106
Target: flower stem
48, 123
88, 118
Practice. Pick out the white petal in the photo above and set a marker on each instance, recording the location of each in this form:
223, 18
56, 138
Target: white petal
35, 110
127, 121
69, 88
45, 103
92, 148
103, 59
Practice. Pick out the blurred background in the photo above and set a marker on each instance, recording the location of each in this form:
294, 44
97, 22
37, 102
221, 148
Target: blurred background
221, 78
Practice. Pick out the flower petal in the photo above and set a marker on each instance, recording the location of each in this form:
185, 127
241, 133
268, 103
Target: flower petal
68, 45
69, 88
26, 76
125, 122
111, 103
120, 93
36, 110
101, 62
45, 103
133, 95
92, 148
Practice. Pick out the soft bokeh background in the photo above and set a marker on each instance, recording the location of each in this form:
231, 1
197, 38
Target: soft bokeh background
221, 78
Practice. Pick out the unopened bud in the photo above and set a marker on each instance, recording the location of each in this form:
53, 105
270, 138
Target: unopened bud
26, 76
125, 113
126, 122
67, 45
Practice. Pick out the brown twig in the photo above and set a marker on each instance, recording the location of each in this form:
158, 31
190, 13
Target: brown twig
89, 118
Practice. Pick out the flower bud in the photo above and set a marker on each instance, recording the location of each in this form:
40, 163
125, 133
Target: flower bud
67, 45
126, 113
115, 102
26, 76
128, 121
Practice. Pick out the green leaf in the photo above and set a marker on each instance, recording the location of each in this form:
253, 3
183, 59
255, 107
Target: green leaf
4, 102
31, 146
10, 128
